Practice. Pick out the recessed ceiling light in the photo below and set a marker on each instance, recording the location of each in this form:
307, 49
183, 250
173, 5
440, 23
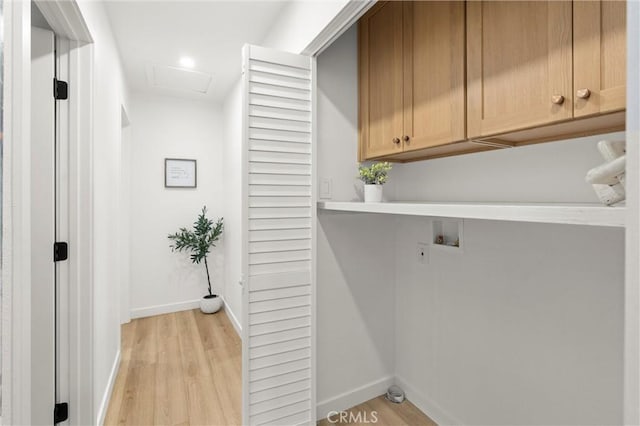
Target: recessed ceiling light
187, 62
162, 76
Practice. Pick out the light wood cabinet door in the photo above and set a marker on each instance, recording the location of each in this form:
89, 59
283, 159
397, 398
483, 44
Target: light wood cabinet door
434, 75
381, 80
599, 53
519, 65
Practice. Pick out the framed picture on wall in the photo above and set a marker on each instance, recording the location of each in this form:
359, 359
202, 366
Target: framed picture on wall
180, 173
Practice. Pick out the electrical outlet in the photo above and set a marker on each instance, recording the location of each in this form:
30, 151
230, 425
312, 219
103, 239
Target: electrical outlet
422, 252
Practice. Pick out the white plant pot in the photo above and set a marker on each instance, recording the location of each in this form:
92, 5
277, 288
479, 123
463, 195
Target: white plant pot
372, 193
210, 305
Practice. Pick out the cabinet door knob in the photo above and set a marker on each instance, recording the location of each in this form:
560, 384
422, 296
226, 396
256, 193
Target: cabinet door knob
405, 138
583, 93
396, 140
557, 99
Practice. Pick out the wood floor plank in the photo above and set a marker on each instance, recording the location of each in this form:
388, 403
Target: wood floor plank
225, 361
170, 388
228, 385
381, 412
178, 369
145, 344
138, 403
205, 407
137, 407
117, 396
413, 416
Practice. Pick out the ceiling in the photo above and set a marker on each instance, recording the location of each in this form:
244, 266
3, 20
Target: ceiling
159, 33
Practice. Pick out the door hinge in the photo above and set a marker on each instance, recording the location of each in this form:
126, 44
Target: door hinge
60, 89
60, 251
60, 412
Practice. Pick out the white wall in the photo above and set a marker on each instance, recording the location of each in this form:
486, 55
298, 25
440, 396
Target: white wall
524, 327
166, 127
355, 254
124, 239
337, 103
355, 309
300, 22
232, 130
551, 172
109, 95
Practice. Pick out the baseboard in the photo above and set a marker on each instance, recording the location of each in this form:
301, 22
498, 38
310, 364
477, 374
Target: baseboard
164, 309
183, 306
353, 397
233, 318
102, 411
426, 405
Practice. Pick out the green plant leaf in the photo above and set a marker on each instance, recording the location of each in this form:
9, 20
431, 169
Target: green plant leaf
199, 240
376, 174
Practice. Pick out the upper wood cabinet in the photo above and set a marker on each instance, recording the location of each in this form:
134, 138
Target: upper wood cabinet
381, 80
436, 81
519, 67
434, 103
411, 74
599, 56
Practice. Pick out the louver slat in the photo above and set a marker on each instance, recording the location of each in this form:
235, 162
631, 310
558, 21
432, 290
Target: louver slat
278, 245
267, 395
279, 113
279, 223
271, 360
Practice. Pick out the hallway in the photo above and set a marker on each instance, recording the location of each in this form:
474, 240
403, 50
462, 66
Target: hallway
180, 368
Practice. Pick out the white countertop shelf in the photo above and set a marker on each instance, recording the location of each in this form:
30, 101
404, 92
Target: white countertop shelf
570, 214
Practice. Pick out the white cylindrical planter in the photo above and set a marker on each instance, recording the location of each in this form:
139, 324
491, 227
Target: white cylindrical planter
210, 304
372, 193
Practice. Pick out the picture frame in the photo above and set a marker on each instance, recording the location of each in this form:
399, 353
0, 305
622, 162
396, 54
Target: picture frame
180, 173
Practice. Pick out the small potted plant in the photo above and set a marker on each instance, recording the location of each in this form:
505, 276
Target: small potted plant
374, 177
199, 241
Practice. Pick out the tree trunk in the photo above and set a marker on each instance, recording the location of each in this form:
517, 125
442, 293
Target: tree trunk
206, 266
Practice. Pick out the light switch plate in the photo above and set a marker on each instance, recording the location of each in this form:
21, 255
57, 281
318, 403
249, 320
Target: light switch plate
325, 188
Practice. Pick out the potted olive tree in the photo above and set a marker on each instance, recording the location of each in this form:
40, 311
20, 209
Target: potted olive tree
374, 177
199, 241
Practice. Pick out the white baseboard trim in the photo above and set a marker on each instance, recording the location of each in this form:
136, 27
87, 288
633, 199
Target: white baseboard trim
353, 397
102, 411
233, 318
426, 405
165, 309
183, 306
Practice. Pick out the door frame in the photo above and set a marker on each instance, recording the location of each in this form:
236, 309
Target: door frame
16, 233
66, 21
631, 368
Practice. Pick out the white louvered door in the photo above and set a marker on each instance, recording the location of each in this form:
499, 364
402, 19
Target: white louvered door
279, 226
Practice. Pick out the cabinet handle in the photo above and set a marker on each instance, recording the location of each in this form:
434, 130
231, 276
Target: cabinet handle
583, 93
405, 138
396, 140
557, 99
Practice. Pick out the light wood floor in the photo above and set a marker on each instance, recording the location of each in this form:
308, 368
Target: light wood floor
185, 369
386, 413
178, 369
